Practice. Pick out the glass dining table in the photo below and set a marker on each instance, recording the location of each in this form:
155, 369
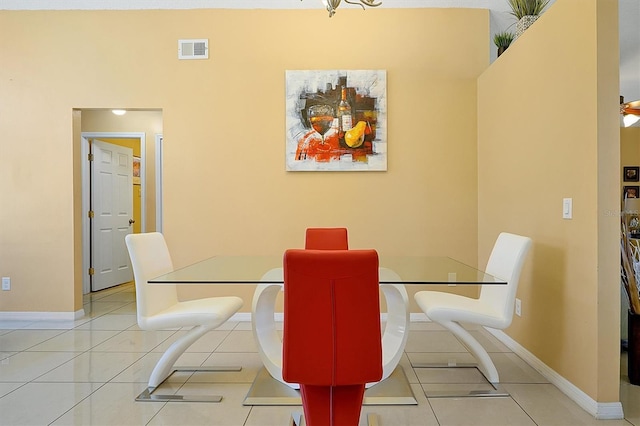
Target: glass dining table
251, 269
266, 272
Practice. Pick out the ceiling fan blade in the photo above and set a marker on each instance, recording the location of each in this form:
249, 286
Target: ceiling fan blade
632, 107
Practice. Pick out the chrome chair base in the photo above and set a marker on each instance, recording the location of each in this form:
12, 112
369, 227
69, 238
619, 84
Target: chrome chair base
496, 391
148, 396
394, 390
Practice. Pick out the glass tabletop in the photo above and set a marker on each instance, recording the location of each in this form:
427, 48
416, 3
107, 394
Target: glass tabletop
250, 270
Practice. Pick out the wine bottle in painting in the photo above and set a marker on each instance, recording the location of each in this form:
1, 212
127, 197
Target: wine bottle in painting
345, 115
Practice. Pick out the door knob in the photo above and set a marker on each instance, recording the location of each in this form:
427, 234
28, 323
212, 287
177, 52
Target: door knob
131, 222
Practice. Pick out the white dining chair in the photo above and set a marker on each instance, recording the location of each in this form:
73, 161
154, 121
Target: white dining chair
159, 308
494, 308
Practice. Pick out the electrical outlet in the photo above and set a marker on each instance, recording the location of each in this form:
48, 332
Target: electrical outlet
6, 283
518, 307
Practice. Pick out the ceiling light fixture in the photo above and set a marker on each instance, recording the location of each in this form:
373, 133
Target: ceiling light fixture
630, 112
119, 111
332, 5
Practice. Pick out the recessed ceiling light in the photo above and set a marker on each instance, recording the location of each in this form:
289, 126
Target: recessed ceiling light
119, 111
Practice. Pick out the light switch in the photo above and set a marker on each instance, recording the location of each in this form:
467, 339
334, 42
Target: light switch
567, 208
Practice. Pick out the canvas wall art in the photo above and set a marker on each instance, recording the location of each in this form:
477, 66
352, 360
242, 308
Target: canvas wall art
336, 120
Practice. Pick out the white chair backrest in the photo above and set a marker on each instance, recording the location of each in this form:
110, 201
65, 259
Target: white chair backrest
150, 258
506, 262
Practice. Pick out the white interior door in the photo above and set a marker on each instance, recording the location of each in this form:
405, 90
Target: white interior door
112, 206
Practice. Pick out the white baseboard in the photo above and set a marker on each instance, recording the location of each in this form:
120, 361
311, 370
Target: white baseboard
41, 316
243, 317
599, 410
419, 317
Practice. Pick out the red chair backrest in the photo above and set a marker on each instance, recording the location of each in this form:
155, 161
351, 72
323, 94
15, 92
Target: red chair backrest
331, 317
326, 239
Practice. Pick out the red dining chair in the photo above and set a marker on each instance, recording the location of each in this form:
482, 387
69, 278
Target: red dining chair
265, 295
331, 339
326, 239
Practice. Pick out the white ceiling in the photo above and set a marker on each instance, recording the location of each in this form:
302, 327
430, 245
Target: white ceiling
629, 49
500, 19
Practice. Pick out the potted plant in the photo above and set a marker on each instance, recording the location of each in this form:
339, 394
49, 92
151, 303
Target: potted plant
526, 12
502, 40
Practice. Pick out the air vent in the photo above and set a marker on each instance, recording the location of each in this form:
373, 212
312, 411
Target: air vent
193, 49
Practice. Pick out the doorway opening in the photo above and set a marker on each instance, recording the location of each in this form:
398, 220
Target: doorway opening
100, 132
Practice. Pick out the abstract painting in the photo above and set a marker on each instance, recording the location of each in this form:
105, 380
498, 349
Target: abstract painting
336, 120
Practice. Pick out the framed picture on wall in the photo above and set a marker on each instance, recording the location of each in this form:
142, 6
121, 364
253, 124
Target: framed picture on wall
631, 174
631, 191
136, 170
336, 120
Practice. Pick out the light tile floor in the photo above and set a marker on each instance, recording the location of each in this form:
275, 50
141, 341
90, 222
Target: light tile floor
89, 371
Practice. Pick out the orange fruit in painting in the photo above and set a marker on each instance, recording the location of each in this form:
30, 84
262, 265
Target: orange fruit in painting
355, 137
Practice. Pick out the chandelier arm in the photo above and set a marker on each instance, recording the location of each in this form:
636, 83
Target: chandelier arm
363, 3
359, 3
332, 5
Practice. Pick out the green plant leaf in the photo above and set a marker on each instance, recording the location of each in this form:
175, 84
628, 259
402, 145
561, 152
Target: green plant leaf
520, 8
503, 39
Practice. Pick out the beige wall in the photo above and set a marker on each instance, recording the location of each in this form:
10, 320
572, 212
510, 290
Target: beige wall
535, 150
226, 190
629, 151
